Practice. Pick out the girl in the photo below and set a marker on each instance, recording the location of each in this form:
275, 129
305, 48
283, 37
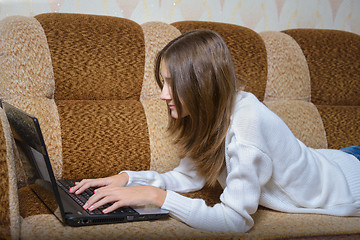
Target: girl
227, 135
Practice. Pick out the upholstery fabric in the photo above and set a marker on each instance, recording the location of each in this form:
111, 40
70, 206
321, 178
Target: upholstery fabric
334, 64
341, 125
156, 36
83, 76
95, 57
269, 225
9, 208
43, 227
288, 74
4, 185
163, 153
30, 86
30, 204
249, 57
102, 138
288, 89
333, 59
23, 42
98, 65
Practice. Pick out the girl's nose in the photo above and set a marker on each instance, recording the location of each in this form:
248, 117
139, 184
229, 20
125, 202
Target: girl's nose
165, 93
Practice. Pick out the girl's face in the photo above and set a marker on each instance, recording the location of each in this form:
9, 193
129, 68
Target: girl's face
166, 92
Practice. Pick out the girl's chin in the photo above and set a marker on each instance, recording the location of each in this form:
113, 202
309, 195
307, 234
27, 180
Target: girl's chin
174, 113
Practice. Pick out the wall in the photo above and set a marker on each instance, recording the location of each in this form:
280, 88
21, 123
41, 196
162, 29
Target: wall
259, 15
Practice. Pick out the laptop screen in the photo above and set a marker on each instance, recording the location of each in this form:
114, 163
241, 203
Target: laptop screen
27, 134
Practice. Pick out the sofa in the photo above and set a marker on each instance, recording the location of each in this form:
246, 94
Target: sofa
89, 80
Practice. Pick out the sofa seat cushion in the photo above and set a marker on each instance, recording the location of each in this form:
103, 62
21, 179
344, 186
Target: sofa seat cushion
268, 225
39, 223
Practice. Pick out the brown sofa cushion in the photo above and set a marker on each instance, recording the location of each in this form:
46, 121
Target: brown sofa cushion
341, 125
334, 64
87, 116
101, 138
98, 64
95, 57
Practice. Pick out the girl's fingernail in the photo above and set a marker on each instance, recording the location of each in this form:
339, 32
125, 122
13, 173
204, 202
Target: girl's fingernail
85, 206
105, 211
91, 208
77, 192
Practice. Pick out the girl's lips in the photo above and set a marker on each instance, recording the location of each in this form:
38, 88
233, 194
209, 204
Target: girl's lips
171, 106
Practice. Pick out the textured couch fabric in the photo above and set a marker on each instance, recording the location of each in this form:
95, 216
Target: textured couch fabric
334, 64
89, 79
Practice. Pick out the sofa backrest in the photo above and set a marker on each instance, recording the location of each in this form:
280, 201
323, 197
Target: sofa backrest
247, 50
309, 77
98, 64
260, 60
334, 65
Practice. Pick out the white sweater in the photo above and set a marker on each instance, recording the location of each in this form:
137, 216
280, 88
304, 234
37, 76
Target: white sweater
267, 165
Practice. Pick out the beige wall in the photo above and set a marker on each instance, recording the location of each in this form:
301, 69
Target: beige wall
259, 15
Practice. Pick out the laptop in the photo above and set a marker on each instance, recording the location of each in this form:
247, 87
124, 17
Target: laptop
54, 193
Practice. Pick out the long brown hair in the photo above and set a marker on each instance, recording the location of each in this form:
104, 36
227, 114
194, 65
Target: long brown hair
203, 82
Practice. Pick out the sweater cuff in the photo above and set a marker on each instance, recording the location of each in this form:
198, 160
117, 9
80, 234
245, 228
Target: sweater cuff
178, 205
134, 178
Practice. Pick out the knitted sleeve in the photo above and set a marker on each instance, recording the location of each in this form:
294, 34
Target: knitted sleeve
183, 178
248, 168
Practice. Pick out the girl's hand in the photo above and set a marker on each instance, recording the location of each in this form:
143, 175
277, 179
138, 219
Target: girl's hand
119, 180
125, 196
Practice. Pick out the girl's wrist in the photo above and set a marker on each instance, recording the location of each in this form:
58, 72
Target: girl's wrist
158, 196
124, 179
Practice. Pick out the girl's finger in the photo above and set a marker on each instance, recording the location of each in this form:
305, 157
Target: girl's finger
94, 205
113, 207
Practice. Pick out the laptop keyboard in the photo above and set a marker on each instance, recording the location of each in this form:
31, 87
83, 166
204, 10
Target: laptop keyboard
82, 198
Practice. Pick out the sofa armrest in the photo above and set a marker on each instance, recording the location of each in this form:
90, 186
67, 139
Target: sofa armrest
9, 208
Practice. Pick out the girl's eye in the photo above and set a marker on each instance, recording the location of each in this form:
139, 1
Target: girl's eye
162, 80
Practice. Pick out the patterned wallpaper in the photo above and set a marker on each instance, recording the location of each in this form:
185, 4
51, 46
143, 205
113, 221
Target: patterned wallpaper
259, 15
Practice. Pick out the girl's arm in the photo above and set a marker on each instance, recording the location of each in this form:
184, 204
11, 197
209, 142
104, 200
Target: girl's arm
248, 169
